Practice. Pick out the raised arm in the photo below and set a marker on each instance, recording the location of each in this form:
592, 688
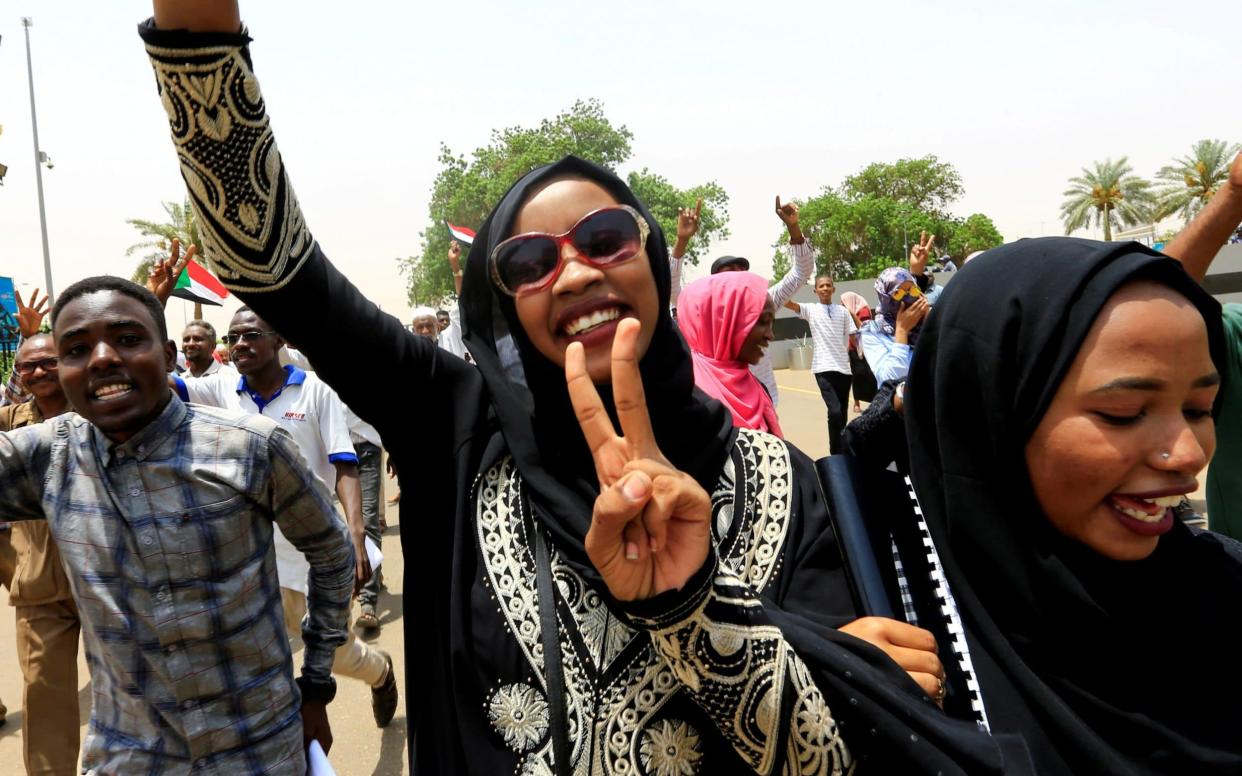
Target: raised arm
687, 226
1197, 244
253, 232
22, 452
29, 318
802, 257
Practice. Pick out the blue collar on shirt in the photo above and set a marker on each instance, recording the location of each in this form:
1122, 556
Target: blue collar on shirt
293, 376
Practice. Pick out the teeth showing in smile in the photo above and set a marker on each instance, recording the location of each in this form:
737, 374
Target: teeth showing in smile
112, 391
591, 320
1164, 502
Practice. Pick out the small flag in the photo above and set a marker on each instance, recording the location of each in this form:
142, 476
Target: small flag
198, 285
461, 234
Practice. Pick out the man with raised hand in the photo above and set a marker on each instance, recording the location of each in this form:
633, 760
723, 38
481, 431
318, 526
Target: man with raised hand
30, 567
29, 318
164, 513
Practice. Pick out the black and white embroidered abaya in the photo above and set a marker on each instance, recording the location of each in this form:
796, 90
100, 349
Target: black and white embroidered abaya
740, 672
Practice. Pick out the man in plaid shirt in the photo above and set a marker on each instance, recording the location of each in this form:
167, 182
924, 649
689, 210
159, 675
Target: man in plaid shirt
163, 513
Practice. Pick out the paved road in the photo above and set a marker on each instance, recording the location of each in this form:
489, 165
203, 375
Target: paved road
360, 749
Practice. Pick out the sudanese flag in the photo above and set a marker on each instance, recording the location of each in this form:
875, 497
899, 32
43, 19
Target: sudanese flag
198, 285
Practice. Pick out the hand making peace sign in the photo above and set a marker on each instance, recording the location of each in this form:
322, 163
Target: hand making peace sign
651, 528
688, 220
162, 278
919, 254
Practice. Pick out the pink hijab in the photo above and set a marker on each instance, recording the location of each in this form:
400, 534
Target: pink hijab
716, 314
856, 304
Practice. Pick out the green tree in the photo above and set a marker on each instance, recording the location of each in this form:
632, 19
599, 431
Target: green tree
869, 222
181, 225
859, 237
1193, 179
465, 190
663, 200
1108, 194
926, 184
976, 233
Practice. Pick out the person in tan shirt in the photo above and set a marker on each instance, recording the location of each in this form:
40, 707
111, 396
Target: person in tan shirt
47, 617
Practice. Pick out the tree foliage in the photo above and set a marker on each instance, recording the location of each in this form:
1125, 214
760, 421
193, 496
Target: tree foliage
926, 184
1108, 194
869, 222
664, 200
1192, 180
465, 190
181, 226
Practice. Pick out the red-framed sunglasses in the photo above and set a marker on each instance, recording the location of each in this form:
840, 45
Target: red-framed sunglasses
529, 263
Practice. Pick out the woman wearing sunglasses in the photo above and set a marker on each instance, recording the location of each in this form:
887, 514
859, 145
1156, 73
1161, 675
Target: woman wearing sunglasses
888, 339
606, 575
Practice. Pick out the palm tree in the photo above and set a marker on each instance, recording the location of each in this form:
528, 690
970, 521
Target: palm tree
1110, 193
1192, 180
181, 226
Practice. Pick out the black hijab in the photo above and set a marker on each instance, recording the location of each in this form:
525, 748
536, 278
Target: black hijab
528, 392
1103, 666
887, 716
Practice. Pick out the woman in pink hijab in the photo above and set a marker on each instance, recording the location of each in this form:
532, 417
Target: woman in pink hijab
727, 322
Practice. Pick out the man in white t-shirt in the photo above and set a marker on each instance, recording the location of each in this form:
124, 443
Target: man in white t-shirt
314, 416
831, 328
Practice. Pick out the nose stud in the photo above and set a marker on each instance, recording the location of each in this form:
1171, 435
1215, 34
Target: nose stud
1165, 456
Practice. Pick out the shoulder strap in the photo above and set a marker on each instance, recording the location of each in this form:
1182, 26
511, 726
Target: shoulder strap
558, 727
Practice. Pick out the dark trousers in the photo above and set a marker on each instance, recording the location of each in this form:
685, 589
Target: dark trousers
835, 388
369, 480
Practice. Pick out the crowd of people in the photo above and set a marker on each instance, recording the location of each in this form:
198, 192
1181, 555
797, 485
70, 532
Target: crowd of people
615, 561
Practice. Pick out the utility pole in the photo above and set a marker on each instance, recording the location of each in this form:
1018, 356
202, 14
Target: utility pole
40, 158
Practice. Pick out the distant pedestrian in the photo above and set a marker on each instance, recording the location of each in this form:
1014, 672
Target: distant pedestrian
832, 326
863, 385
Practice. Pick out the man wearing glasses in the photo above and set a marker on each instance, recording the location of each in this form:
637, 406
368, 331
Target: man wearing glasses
315, 417
30, 567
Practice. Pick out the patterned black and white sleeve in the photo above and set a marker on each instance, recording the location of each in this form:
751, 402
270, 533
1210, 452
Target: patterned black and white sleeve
253, 233
736, 665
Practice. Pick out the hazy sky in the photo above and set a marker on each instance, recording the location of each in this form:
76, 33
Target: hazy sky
766, 98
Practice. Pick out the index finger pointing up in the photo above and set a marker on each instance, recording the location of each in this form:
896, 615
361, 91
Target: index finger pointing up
698, 207
627, 390
588, 407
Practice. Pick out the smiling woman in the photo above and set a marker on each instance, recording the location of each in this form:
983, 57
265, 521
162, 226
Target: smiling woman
727, 322
573, 547
1059, 400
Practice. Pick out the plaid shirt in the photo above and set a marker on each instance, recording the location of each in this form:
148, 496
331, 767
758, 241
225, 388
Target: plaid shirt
167, 540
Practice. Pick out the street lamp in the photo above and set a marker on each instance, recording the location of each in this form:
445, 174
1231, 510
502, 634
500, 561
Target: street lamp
40, 160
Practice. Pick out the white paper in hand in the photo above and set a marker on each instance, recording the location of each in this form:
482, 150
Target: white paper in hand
373, 553
317, 762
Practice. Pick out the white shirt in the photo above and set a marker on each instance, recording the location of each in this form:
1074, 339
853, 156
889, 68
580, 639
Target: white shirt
313, 415
831, 327
450, 338
360, 430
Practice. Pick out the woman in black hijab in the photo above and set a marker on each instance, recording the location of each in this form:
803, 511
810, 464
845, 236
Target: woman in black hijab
519, 659
1059, 401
